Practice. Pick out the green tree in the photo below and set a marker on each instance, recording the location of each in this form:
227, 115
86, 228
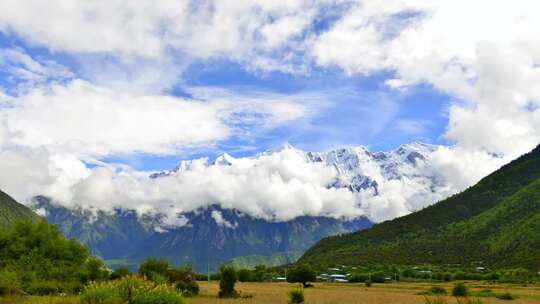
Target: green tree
260, 273
96, 269
154, 268
301, 274
42, 259
245, 275
228, 279
119, 273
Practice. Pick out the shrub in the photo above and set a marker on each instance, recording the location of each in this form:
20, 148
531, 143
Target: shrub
505, 296
436, 290
244, 275
162, 294
260, 274
119, 273
447, 277
96, 293
460, 275
38, 253
9, 283
188, 289
129, 286
368, 283
296, 296
152, 267
44, 288
518, 275
132, 290
96, 269
228, 279
301, 274
460, 290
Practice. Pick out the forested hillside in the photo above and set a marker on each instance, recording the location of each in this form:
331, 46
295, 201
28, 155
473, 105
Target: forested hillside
495, 222
11, 211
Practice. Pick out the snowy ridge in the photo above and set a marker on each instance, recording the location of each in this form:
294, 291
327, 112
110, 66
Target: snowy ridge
367, 174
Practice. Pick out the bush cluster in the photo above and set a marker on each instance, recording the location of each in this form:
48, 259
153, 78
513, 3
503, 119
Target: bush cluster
159, 271
35, 258
228, 278
301, 274
130, 289
296, 296
460, 290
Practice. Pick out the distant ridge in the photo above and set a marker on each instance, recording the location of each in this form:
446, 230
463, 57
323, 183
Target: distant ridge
11, 211
496, 222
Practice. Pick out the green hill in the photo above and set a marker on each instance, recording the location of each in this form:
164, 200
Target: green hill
497, 221
11, 211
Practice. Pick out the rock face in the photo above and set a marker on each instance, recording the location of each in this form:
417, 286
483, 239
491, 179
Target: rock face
213, 235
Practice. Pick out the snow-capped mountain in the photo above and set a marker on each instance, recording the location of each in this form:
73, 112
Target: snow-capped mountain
383, 185
367, 174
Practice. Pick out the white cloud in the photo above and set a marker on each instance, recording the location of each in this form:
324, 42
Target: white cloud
86, 120
150, 30
91, 121
218, 217
276, 186
485, 54
489, 59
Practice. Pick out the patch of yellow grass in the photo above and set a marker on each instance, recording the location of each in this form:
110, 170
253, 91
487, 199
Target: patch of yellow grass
330, 293
327, 293
40, 300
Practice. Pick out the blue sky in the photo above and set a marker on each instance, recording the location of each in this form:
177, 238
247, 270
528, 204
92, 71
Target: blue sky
362, 109
131, 86
363, 112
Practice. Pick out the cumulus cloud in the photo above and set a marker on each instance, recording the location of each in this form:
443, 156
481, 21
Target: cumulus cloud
487, 62
192, 28
91, 121
470, 59
275, 186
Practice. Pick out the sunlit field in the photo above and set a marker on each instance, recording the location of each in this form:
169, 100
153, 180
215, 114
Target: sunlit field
325, 293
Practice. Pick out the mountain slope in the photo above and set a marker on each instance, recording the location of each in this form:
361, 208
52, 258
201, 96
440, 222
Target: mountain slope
11, 211
210, 236
495, 221
123, 236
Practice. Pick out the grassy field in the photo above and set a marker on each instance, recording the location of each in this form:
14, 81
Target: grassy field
326, 293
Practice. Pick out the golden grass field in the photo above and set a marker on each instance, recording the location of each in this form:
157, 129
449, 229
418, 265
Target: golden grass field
326, 293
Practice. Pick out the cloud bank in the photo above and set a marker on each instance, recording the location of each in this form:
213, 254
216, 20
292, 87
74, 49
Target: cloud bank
56, 123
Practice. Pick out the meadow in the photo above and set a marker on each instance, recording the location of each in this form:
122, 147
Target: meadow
326, 293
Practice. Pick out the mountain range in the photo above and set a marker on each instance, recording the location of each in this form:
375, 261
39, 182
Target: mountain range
212, 235
495, 223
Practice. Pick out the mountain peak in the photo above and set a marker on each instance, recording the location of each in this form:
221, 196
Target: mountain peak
285, 146
224, 160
